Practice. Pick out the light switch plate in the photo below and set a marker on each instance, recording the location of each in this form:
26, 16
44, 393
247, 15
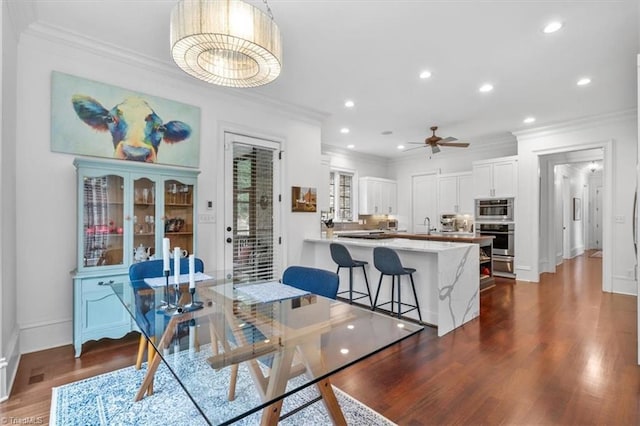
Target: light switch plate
619, 219
206, 218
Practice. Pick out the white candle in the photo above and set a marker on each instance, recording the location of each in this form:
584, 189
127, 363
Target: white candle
192, 271
165, 255
176, 265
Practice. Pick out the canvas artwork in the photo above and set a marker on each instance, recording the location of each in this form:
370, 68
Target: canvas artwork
303, 199
96, 119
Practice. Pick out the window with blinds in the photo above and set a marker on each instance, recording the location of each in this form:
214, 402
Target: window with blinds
340, 196
253, 213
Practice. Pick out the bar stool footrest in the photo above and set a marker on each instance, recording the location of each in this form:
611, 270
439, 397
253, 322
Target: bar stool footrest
362, 295
412, 307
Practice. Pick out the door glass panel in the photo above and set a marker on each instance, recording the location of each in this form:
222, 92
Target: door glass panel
144, 219
253, 214
178, 211
103, 221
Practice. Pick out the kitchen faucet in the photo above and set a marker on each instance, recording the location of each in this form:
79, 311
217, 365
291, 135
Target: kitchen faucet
427, 223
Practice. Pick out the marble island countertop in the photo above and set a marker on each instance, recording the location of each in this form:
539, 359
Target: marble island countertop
461, 237
428, 246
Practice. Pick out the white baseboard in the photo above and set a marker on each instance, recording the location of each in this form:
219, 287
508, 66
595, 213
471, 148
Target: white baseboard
624, 285
36, 337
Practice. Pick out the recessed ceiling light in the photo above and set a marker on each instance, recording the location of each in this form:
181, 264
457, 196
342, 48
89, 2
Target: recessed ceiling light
425, 74
351, 146
552, 27
349, 103
400, 146
344, 130
344, 351
486, 88
583, 81
386, 132
529, 120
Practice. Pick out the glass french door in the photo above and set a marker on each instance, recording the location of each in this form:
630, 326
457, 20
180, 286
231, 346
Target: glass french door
252, 208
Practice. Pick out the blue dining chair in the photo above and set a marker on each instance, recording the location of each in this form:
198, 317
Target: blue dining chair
144, 303
314, 280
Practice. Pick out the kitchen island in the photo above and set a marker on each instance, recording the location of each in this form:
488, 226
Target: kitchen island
485, 242
446, 277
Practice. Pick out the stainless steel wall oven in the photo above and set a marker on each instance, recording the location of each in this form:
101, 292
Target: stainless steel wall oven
495, 209
503, 246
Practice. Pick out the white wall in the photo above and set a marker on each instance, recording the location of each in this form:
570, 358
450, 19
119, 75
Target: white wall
621, 132
9, 342
46, 224
449, 160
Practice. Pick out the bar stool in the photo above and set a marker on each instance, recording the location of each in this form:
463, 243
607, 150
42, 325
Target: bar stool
386, 261
342, 257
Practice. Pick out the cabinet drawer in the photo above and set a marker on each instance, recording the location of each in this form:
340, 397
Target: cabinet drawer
102, 284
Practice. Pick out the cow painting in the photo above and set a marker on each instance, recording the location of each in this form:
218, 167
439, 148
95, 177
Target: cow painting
136, 130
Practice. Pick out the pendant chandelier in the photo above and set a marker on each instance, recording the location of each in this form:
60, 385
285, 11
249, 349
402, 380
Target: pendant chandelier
226, 42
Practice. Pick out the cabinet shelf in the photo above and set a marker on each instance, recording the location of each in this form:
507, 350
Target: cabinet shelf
179, 233
485, 260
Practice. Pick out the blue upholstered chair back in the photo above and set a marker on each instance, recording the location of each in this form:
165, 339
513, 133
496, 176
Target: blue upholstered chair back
386, 260
144, 302
317, 281
341, 255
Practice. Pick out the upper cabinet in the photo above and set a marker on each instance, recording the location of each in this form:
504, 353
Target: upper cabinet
455, 193
377, 196
497, 178
124, 211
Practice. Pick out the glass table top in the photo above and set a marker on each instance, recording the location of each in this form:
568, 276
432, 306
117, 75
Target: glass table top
283, 339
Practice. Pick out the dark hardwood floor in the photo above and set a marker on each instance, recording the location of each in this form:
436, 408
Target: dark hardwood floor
556, 352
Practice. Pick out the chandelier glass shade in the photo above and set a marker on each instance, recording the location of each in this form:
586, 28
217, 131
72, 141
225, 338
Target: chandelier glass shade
226, 42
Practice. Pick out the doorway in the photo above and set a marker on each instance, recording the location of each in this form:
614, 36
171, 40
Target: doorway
252, 208
572, 194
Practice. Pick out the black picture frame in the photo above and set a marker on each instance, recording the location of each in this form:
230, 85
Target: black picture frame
577, 208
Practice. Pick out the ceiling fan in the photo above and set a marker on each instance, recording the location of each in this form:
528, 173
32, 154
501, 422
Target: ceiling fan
433, 142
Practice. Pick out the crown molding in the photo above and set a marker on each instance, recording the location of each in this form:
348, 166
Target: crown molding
327, 149
63, 36
578, 124
21, 14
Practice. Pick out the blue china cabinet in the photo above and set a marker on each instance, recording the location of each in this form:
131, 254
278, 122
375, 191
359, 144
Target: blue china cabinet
124, 210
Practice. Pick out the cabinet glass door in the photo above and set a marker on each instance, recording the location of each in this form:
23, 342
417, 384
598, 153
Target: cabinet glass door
103, 221
178, 212
144, 219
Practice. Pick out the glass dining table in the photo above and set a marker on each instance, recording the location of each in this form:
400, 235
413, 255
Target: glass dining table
237, 348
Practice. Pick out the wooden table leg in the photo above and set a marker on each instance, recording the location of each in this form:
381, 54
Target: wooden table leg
331, 402
278, 379
152, 366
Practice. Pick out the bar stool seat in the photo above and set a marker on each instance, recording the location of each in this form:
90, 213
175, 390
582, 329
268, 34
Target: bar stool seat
386, 261
341, 256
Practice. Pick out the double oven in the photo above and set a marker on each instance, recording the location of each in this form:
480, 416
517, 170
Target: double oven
495, 218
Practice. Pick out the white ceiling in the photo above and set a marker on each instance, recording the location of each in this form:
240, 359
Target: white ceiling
372, 52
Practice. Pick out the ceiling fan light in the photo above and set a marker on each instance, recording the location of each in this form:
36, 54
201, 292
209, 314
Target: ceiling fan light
227, 42
435, 149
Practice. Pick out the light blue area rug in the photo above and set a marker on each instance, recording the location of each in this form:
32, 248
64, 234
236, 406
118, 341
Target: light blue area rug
107, 399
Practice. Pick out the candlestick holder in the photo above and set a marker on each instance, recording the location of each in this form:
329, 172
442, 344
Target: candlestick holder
193, 305
166, 305
177, 308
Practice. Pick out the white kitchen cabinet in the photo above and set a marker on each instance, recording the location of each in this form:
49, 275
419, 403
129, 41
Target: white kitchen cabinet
455, 193
377, 196
496, 178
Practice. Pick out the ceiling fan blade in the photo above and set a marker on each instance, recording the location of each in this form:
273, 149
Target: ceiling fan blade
456, 144
448, 139
415, 147
416, 143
